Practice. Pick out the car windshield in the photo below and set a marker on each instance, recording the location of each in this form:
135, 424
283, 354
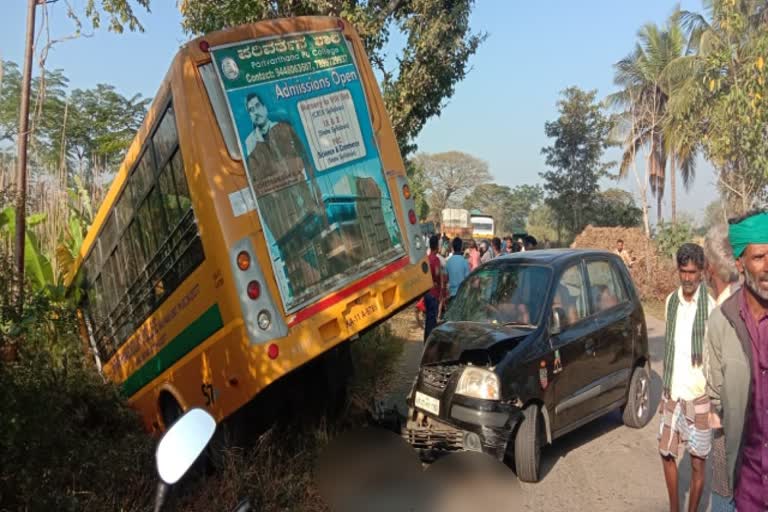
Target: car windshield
509, 294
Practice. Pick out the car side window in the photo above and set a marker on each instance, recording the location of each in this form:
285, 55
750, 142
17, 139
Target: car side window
621, 286
605, 288
570, 296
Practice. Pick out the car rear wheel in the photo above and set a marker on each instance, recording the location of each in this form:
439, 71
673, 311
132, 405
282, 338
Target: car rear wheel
528, 443
637, 411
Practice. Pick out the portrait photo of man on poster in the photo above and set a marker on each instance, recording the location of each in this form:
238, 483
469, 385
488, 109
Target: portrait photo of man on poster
273, 148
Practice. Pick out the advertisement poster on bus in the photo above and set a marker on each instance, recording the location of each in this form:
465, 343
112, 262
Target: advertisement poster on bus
302, 121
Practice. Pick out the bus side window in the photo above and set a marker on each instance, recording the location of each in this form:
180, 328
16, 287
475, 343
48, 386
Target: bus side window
170, 197
194, 253
165, 139
181, 182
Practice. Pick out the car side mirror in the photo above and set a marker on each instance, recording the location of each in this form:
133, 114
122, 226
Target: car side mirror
555, 325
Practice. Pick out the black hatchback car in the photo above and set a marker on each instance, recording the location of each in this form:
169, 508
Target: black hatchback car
534, 345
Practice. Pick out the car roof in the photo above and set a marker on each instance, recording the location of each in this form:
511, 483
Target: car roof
554, 257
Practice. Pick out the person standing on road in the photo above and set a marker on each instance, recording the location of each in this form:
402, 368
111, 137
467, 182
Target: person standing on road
436, 295
724, 281
474, 255
736, 366
496, 245
457, 268
684, 405
486, 253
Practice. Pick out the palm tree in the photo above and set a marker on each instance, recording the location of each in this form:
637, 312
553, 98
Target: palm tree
680, 132
689, 82
643, 98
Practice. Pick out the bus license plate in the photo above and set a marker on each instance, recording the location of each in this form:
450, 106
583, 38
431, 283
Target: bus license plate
428, 403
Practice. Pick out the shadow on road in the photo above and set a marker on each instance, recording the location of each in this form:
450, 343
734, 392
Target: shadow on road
560, 448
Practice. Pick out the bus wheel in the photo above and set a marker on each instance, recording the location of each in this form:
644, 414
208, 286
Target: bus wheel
170, 410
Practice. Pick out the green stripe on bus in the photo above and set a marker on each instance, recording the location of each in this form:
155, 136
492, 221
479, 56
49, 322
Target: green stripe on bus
195, 333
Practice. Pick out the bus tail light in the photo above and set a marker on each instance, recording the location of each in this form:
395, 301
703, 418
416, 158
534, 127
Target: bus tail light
243, 261
415, 236
273, 351
254, 290
254, 295
205, 46
264, 320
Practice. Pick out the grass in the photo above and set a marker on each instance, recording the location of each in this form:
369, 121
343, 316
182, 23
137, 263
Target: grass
277, 474
70, 443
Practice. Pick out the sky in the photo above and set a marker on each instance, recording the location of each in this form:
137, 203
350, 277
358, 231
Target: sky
533, 51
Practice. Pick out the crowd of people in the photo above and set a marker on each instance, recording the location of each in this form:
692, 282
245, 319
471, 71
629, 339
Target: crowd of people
451, 261
715, 383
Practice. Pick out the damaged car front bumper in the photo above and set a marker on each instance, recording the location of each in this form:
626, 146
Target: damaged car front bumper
440, 421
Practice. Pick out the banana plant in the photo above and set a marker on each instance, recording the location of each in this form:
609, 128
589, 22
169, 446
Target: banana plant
37, 266
78, 223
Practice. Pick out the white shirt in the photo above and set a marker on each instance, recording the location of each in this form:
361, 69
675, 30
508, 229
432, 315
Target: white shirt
688, 383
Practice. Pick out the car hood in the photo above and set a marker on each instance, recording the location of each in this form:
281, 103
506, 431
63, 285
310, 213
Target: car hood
479, 343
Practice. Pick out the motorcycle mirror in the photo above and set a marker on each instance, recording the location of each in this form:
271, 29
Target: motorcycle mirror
183, 443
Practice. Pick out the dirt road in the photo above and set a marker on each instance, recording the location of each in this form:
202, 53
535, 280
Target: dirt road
601, 466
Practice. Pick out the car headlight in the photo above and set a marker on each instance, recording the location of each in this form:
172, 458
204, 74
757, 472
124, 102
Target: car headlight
478, 383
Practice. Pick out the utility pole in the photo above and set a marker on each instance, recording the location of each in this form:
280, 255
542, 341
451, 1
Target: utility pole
21, 175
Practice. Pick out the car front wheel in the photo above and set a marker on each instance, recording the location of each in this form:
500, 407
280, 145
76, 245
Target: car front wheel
528, 442
637, 411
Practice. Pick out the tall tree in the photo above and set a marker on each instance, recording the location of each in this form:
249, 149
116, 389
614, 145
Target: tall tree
450, 177
542, 222
89, 129
48, 102
643, 98
616, 207
434, 58
581, 133
722, 89
102, 125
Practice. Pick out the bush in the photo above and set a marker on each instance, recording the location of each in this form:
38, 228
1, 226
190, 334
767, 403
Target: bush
669, 237
69, 442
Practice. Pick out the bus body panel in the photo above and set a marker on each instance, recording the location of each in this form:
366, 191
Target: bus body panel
225, 371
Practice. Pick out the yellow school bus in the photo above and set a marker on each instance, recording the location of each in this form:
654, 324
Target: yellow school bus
261, 219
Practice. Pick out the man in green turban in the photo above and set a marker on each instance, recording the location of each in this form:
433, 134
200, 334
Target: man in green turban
736, 368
